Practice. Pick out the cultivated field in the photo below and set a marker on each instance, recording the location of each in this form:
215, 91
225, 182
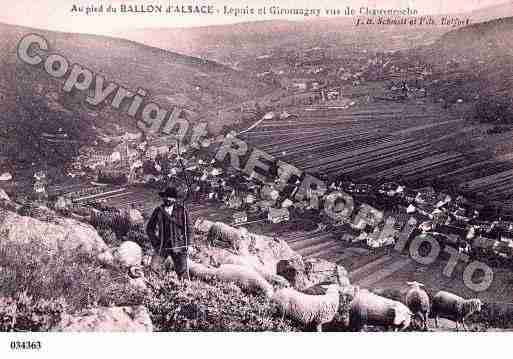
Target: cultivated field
416, 142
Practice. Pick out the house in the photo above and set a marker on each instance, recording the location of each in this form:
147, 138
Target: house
98, 156
337, 207
240, 217
265, 206
5, 146
367, 216
278, 215
426, 195
269, 116
268, 192
287, 116
296, 84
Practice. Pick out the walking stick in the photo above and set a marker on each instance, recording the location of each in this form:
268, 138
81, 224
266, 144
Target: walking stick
185, 209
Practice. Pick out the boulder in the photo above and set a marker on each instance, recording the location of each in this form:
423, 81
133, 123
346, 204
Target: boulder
322, 271
304, 274
61, 234
107, 319
293, 270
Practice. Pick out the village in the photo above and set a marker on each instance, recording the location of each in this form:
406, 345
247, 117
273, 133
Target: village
126, 178
400, 180
124, 172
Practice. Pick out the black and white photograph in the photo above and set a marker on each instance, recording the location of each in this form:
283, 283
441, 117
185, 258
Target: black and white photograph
256, 166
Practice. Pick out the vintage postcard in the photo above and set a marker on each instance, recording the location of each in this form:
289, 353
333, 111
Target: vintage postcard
256, 166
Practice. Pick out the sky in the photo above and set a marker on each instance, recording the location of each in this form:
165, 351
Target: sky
57, 15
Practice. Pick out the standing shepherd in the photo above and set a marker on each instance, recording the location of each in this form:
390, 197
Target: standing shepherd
169, 231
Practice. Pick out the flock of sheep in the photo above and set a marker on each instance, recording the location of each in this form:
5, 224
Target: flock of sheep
358, 307
368, 308
342, 305
364, 307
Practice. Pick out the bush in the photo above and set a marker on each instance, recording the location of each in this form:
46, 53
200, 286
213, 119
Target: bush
109, 237
35, 281
494, 110
23, 313
201, 306
116, 222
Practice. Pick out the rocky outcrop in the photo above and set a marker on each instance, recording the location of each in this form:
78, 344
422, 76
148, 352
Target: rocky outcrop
293, 270
107, 319
60, 234
303, 274
322, 271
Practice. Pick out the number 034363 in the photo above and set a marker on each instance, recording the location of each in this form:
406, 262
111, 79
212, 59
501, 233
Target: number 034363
25, 345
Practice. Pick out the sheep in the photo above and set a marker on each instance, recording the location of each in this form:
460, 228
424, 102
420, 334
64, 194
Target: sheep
251, 262
222, 232
129, 254
245, 258
390, 293
450, 306
369, 308
245, 277
241, 256
418, 301
201, 271
310, 310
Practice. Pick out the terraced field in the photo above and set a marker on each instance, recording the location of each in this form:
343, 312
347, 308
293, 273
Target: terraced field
416, 142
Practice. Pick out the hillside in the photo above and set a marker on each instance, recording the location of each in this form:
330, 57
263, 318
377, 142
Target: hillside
32, 102
481, 52
237, 43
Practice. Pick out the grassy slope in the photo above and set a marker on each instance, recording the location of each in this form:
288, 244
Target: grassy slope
483, 52
171, 79
134, 65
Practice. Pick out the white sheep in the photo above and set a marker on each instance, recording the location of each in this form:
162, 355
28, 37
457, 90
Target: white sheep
418, 301
371, 309
128, 254
245, 258
220, 231
310, 310
250, 262
201, 271
450, 306
243, 276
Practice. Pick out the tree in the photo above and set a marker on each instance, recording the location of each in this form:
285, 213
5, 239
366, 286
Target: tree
494, 110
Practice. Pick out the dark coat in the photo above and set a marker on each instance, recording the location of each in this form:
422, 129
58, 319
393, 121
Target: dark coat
167, 232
